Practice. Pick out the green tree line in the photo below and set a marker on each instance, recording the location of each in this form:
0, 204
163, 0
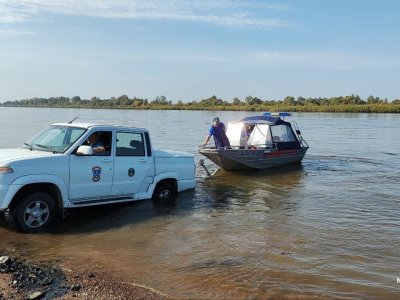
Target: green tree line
352, 103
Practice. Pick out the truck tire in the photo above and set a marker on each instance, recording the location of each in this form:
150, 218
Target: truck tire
32, 213
2, 219
164, 192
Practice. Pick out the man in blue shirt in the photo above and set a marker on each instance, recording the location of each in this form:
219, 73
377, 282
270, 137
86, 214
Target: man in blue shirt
217, 130
95, 142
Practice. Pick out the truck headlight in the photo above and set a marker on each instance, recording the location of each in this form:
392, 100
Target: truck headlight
6, 170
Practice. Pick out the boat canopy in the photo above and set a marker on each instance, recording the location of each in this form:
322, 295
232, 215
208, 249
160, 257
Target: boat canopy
267, 118
262, 132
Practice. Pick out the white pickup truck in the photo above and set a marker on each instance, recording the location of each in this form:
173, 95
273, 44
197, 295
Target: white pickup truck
59, 169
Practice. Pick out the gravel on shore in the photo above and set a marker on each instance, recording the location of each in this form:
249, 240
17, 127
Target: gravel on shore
23, 280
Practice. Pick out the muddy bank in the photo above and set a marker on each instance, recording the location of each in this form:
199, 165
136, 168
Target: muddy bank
23, 280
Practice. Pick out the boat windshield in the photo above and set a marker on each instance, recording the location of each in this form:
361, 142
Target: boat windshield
56, 138
282, 133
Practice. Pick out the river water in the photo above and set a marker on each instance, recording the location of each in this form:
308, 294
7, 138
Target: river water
328, 228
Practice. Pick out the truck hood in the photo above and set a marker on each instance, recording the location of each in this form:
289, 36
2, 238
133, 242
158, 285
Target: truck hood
170, 153
9, 155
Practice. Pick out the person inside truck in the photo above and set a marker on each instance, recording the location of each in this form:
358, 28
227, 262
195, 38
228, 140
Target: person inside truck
95, 142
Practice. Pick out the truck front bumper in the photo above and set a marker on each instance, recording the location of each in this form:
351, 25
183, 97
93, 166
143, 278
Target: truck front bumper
186, 184
3, 194
7, 193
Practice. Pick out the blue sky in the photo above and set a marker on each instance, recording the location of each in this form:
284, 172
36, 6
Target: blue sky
189, 50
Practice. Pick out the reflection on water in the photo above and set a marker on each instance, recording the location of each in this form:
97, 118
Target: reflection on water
328, 227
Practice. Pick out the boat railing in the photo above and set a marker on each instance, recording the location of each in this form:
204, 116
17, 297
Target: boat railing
247, 147
208, 146
211, 147
299, 136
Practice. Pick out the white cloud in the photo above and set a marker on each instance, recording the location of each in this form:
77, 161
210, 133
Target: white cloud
9, 32
230, 13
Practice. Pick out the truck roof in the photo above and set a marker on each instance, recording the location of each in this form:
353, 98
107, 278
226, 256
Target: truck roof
99, 126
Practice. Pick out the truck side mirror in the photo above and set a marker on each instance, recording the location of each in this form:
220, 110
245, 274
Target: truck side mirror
84, 150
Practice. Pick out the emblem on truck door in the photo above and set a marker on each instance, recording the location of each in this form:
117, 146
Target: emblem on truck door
131, 172
96, 173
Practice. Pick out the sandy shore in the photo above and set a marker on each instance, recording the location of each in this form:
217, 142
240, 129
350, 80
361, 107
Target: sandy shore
20, 279
104, 285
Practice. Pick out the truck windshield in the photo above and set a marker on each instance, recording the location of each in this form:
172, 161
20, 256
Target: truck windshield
55, 139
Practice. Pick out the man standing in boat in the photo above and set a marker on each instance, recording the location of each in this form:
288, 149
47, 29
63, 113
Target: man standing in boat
217, 130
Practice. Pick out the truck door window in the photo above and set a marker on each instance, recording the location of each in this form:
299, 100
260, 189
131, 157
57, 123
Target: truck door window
103, 140
130, 144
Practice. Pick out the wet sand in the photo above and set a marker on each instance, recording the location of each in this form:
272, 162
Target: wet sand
20, 279
103, 284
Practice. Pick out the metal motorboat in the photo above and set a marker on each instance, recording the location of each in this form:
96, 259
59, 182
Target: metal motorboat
259, 142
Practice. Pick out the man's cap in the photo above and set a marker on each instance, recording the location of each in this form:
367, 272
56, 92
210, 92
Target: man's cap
216, 119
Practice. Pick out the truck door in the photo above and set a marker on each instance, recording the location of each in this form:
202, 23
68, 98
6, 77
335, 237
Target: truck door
131, 165
91, 176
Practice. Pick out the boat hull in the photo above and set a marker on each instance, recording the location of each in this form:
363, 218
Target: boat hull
245, 159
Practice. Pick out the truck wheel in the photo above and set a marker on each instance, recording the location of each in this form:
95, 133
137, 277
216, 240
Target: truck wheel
2, 219
164, 192
33, 212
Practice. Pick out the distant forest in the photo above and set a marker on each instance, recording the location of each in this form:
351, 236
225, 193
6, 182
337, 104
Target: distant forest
352, 103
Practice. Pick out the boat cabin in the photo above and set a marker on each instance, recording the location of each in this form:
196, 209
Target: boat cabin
263, 132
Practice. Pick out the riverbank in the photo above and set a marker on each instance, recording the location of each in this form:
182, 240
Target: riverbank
361, 108
20, 279
351, 103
